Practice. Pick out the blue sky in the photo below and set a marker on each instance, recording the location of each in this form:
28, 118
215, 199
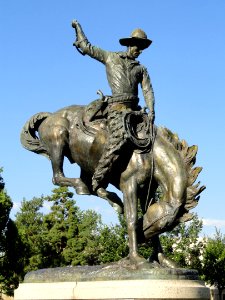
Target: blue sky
41, 71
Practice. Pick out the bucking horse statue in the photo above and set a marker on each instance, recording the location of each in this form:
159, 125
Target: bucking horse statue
166, 163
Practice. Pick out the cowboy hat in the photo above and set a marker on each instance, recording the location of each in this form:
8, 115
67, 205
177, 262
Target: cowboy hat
138, 38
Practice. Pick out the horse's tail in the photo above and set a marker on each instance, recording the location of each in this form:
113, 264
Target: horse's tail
28, 137
193, 190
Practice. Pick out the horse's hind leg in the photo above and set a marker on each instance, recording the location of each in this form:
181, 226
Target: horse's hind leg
60, 179
112, 198
56, 139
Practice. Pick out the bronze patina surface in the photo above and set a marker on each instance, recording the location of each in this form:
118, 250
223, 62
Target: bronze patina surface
114, 140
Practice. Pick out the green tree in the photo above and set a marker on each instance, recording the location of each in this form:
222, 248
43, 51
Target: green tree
64, 236
11, 247
29, 222
59, 225
213, 269
84, 249
113, 242
5, 208
70, 235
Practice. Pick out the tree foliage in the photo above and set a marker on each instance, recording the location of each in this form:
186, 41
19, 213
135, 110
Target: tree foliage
11, 247
214, 262
70, 234
29, 222
113, 242
63, 236
5, 208
66, 235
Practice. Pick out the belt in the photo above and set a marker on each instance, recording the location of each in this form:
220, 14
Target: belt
123, 98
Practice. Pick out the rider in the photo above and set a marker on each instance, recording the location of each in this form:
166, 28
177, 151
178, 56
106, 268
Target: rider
124, 74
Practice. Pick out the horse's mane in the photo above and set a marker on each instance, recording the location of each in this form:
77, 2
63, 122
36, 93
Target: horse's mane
193, 189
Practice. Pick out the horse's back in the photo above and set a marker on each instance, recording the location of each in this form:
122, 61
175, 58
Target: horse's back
72, 109
65, 117
67, 128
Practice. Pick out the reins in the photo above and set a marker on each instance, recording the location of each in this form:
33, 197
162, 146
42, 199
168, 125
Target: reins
149, 201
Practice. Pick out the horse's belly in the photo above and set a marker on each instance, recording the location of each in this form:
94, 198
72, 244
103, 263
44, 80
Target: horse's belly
86, 150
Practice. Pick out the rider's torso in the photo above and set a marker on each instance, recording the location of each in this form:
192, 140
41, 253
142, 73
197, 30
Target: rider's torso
123, 74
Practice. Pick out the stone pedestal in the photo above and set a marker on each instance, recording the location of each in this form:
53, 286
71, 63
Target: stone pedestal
95, 283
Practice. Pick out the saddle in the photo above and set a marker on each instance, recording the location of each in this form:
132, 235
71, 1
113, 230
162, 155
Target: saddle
93, 118
136, 124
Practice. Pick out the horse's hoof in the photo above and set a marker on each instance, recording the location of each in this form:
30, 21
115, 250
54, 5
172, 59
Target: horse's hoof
112, 198
135, 263
138, 260
166, 262
119, 209
82, 190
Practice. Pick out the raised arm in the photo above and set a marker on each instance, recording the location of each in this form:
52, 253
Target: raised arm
84, 46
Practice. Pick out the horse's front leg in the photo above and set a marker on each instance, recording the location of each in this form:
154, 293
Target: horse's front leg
130, 208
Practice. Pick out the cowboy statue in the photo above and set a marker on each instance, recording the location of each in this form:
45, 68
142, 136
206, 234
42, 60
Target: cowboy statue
124, 74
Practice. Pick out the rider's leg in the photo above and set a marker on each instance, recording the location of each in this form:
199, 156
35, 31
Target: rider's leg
115, 142
100, 178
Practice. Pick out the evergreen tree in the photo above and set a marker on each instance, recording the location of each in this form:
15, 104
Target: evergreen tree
70, 234
84, 249
29, 222
59, 224
11, 247
5, 208
63, 236
113, 241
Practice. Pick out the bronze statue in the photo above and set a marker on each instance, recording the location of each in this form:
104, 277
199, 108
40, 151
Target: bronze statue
114, 141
